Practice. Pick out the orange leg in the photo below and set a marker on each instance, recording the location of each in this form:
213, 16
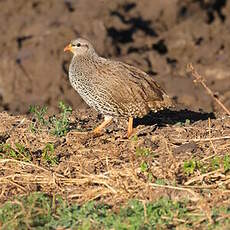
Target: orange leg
130, 126
105, 123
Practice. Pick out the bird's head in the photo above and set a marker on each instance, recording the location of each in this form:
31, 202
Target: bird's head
79, 47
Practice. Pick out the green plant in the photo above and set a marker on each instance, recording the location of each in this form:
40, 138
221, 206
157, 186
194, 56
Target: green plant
212, 164
215, 163
183, 123
18, 153
187, 122
61, 125
26, 212
189, 167
56, 126
7, 151
145, 154
39, 117
135, 138
161, 182
22, 152
226, 163
140, 151
144, 167
40, 211
48, 155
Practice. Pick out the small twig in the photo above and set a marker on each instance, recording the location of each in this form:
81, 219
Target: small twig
202, 139
173, 219
8, 132
145, 211
176, 188
3, 161
201, 177
200, 79
16, 184
202, 186
208, 157
209, 132
169, 151
226, 216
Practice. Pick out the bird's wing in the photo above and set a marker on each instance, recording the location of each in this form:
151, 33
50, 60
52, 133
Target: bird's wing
128, 86
155, 96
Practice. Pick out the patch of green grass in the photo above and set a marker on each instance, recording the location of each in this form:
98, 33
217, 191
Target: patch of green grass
161, 182
17, 153
144, 152
186, 122
221, 218
226, 163
48, 156
39, 116
144, 166
189, 167
61, 125
134, 138
39, 211
220, 162
56, 126
29, 212
215, 163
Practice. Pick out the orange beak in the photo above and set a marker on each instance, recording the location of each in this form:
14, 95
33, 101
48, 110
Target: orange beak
68, 48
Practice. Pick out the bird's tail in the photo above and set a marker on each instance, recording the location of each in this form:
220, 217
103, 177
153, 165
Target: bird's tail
165, 103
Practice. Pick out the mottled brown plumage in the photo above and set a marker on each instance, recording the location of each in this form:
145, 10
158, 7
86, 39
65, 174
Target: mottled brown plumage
113, 88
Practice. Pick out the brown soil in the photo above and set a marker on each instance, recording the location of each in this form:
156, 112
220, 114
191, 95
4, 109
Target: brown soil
160, 37
108, 167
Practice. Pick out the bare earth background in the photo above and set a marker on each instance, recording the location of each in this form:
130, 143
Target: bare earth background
160, 37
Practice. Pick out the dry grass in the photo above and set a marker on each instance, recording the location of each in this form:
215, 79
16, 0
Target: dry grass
114, 171
200, 79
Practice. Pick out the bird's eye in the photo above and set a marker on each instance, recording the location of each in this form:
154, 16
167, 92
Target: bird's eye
78, 44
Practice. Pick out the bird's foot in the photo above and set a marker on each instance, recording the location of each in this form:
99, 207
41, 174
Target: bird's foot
106, 122
130, 127
96, 133
129, 134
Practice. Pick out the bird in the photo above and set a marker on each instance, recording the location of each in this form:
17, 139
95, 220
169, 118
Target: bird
113, 88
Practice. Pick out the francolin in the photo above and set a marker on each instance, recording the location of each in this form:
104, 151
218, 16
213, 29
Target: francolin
113, 88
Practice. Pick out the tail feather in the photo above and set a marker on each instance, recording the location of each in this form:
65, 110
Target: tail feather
161, 104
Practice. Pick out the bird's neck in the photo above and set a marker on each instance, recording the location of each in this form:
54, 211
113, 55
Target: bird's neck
85, 58
84, 64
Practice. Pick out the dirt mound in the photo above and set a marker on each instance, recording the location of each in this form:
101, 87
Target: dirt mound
160, 37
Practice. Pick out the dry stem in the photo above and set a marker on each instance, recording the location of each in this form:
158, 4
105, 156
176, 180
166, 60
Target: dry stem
201, 80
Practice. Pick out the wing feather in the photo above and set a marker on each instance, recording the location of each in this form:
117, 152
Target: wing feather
130, 89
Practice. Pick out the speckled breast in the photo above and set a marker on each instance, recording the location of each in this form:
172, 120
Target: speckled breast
89, 93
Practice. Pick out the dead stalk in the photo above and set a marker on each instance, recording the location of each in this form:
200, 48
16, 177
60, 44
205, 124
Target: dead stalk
177, 188
201, 177
202, 139
201, 80
209, 132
